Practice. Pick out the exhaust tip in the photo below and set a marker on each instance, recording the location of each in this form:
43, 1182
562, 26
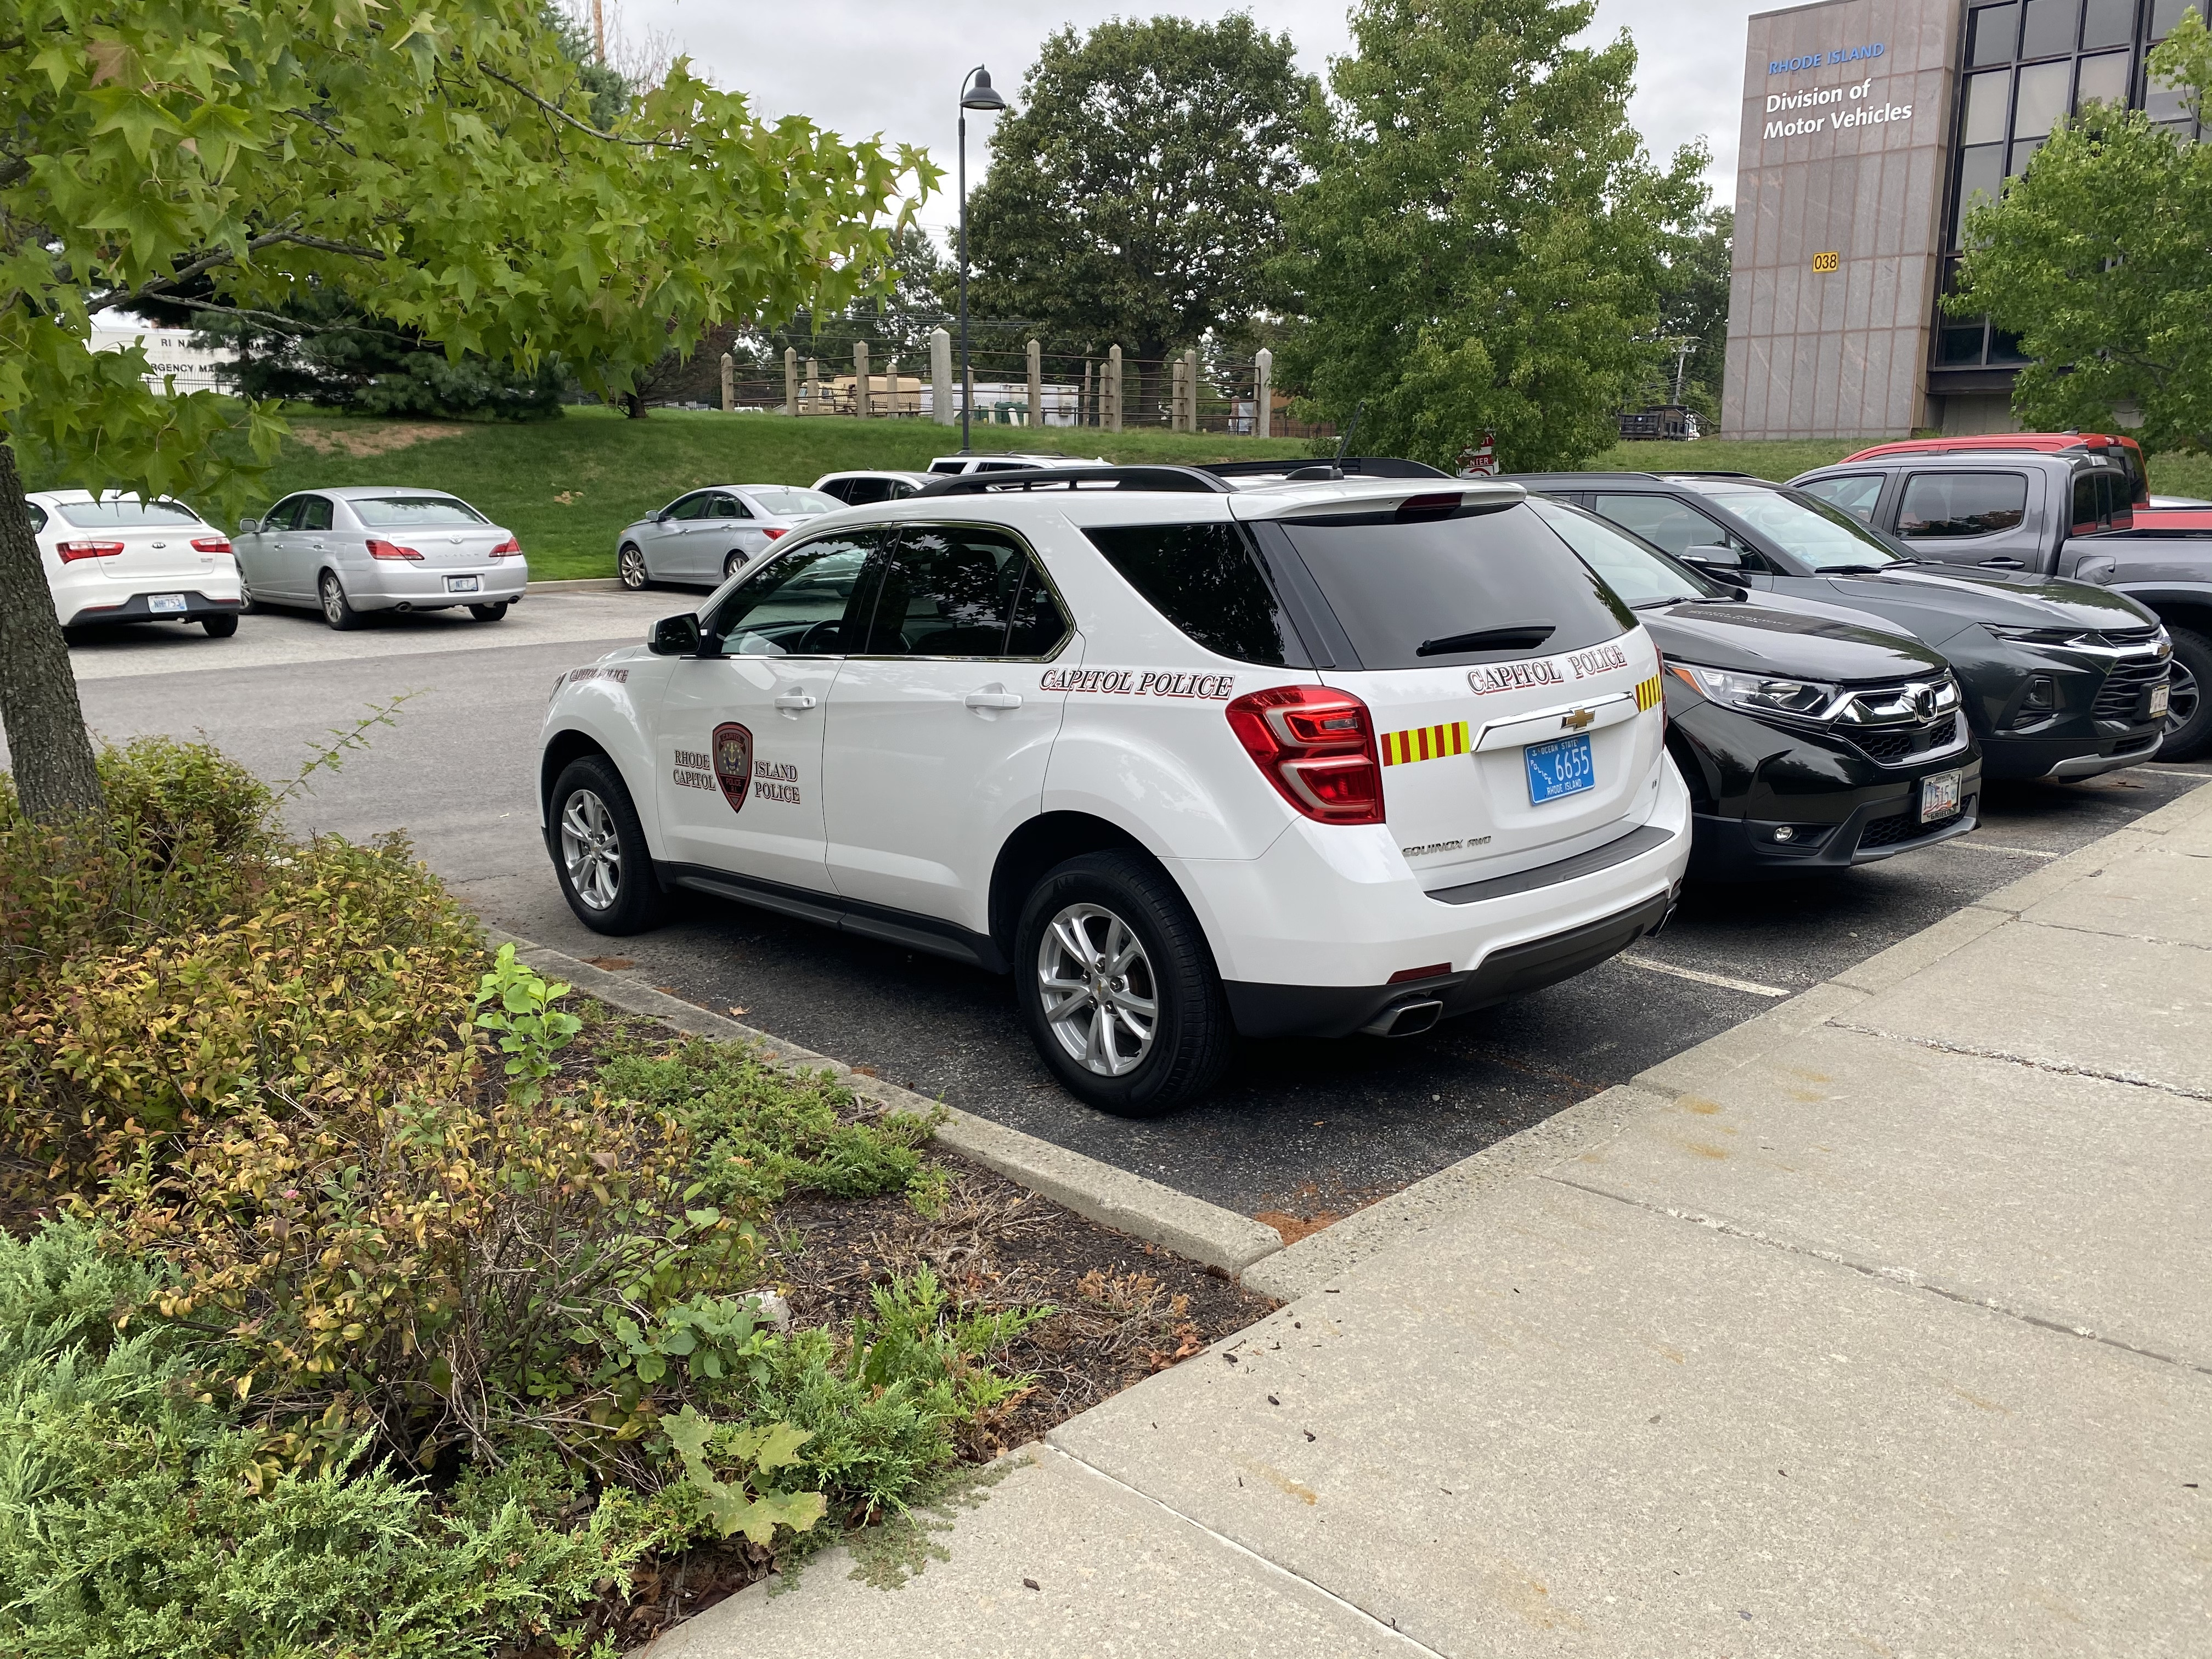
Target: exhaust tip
1405, 1018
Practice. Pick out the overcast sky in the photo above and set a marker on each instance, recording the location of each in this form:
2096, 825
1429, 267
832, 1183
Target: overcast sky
894, 66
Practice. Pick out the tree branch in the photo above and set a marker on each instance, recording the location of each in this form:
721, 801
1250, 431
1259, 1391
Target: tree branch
556, 111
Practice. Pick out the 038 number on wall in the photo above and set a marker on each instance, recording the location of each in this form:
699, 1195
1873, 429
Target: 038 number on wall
1828, 261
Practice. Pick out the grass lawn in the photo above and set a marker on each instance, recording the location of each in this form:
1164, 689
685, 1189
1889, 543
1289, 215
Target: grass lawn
567, 487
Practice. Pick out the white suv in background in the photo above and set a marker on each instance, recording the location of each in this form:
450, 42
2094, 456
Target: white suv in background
1189, 759
113, 558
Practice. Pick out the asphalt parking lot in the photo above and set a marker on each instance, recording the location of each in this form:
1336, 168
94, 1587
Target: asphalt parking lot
1303, 1128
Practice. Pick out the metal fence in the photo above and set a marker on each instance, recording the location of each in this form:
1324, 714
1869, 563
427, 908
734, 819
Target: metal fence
1196, 390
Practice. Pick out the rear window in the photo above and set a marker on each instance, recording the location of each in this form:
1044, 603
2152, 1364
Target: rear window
400, 512
1204, 579
124, 513
786, 503
1469, 588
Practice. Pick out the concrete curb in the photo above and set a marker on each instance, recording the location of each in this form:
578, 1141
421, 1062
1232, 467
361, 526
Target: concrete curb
1191, 1227
577, 585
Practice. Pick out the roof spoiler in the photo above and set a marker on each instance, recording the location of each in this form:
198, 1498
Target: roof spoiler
1186, 479
1325, 469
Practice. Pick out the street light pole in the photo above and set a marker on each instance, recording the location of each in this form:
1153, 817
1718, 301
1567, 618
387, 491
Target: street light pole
980, 95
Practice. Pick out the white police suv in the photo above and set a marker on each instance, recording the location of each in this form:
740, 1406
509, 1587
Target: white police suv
1190, 757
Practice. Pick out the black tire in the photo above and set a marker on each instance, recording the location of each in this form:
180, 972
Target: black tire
488, 613
629, 565
2189, 698
632, 902
220, 627
1191, 1036
337, 609
77, 637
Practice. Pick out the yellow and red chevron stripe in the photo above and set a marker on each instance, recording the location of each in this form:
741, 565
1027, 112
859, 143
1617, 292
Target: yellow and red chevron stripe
1425, 743
1649, 694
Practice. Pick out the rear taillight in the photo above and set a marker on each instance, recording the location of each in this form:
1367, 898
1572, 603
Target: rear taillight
72, 551
211, 544
776, 531
1317, 745
509, 549
391, 550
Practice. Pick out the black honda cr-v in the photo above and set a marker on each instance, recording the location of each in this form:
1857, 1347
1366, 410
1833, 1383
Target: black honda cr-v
1811, 738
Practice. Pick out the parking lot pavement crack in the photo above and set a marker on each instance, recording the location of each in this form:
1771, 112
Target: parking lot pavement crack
1905, 1277
1382, 1626
1973, 1051
2105, 932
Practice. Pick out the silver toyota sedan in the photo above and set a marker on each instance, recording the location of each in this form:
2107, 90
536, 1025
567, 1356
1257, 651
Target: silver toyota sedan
703, 536
369, 547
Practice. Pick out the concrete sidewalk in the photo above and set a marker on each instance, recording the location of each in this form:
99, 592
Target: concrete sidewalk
1879, 1325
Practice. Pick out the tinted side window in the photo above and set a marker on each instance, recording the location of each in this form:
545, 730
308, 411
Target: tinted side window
947, 592
314, 512
1673, 525
2085, 515
794, 606
1937, 506
1855, 493
1430, 593
860, 492
38, 518
725, 507
692, 507
1038, 624
1203, 578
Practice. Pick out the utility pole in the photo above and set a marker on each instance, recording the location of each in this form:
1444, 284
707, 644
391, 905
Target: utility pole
600, 33
1682, 349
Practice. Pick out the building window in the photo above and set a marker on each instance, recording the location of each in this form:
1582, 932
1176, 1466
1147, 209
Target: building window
1981, 173
2108, 23
2165, 13
1990, 34
2104, 80
1986, 95
2042, 97
2050, 27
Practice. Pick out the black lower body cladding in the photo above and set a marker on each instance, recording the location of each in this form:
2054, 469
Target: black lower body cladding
2103, 746
1770, 801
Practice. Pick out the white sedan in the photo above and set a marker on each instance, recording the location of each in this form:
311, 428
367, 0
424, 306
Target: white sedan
112, 558
705, 536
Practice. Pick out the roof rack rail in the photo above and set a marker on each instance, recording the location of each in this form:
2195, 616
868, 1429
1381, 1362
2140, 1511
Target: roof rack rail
1688, 472
1325, 467
1186, 479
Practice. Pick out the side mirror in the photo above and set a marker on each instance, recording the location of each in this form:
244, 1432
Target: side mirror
1721, 561
675, 637
249, 526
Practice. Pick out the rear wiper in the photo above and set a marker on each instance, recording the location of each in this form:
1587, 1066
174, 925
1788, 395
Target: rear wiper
1513, 636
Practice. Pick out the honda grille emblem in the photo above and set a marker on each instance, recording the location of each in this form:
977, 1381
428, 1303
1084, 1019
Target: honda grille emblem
1923, 702
1576, 721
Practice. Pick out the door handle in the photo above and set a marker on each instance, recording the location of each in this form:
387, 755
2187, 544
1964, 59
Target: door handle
992, 697
2003, 564
794, 700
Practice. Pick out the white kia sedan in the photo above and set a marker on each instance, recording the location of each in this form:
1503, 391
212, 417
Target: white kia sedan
112, 558
374, 547
705, 537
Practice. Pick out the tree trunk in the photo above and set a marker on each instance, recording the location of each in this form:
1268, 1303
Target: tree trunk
633, 406
55, 778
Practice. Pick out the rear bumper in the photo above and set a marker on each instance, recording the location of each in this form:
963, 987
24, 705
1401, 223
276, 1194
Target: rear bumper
136, 609
402, 585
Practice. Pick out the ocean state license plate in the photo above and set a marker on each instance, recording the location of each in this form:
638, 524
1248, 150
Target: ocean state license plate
463, 584
1559, 768
163, 603
2158, 695
1939, 796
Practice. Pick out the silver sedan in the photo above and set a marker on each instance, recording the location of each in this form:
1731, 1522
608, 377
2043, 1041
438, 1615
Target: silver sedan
370, 547
703, 537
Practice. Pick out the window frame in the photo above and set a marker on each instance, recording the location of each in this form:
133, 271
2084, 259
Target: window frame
1909, 477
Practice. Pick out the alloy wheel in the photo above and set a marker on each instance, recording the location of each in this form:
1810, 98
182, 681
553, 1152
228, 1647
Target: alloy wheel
590, 852
333, 601
1100, 999
2182, 695
630, 564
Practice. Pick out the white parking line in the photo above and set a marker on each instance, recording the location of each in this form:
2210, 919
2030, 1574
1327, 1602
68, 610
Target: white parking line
1720, 980
1965, 846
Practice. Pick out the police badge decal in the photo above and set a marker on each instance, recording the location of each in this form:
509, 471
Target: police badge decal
733, 763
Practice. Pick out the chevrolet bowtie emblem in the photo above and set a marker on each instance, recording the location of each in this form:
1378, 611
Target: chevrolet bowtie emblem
1576, 721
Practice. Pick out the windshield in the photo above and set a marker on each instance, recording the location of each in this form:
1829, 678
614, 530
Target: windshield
125, 512
1638, 572
400, 512
794, 503
1822, 536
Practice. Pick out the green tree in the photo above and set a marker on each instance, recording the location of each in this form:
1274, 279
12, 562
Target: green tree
1135, 193
1694, 303
434, 163
1482, 247
2100, 258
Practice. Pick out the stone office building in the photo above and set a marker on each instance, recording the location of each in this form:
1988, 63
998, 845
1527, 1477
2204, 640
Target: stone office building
1867, 125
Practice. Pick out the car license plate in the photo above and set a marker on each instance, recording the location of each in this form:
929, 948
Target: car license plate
2158, 693
161, 603
1939, 796
462, 584
1559, 768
